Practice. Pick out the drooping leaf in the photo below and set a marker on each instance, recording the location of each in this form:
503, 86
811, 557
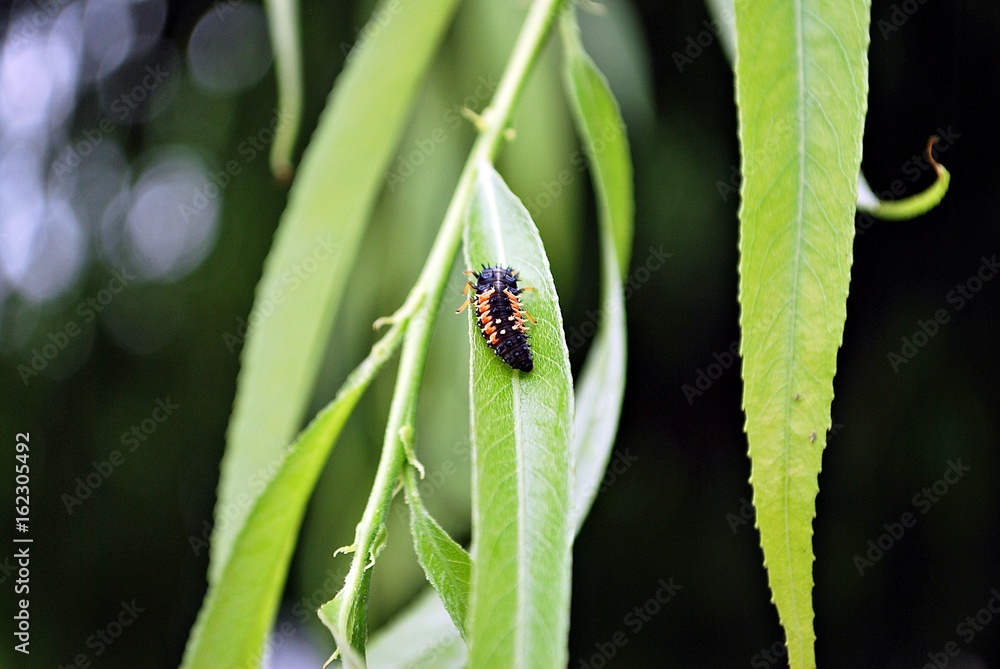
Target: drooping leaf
521, 435
241, 603
602, 382
801, 83
447, 565
283, 21
315, 246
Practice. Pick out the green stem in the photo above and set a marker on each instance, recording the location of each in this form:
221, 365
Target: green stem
430, 288
283, 19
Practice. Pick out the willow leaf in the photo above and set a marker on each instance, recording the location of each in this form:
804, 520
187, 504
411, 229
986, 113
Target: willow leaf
447, 565
601, 387
521, 434
801, 85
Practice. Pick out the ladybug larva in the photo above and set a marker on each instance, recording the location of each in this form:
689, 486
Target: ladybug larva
500, 314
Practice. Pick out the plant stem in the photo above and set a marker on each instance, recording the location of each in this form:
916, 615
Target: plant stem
283, 18
430, 286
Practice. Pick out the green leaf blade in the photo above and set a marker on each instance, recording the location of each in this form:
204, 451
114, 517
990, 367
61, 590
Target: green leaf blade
602, 131
314, 249
522, 430
447, 565
801, 74
241, 604
601, 387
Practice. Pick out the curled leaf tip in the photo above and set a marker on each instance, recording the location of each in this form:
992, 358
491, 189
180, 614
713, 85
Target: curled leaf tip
908, 207
934, 139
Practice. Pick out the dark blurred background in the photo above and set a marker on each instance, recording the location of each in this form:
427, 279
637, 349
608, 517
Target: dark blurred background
125, 276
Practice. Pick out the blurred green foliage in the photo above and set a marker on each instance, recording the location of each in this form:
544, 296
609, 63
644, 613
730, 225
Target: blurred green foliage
682, 466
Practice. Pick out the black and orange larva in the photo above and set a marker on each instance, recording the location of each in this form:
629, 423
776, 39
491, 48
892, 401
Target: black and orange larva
500, 314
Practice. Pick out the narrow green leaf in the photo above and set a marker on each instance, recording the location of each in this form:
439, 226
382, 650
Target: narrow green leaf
283, 20
908, 207
447, 565
602, 382
521, 433
801, 84
315, 247
241, 604
602, 131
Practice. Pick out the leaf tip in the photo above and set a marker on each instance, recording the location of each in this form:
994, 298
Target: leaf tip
283, 172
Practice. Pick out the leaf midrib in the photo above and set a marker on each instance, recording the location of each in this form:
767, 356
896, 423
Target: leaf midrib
519, 458
796, 273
